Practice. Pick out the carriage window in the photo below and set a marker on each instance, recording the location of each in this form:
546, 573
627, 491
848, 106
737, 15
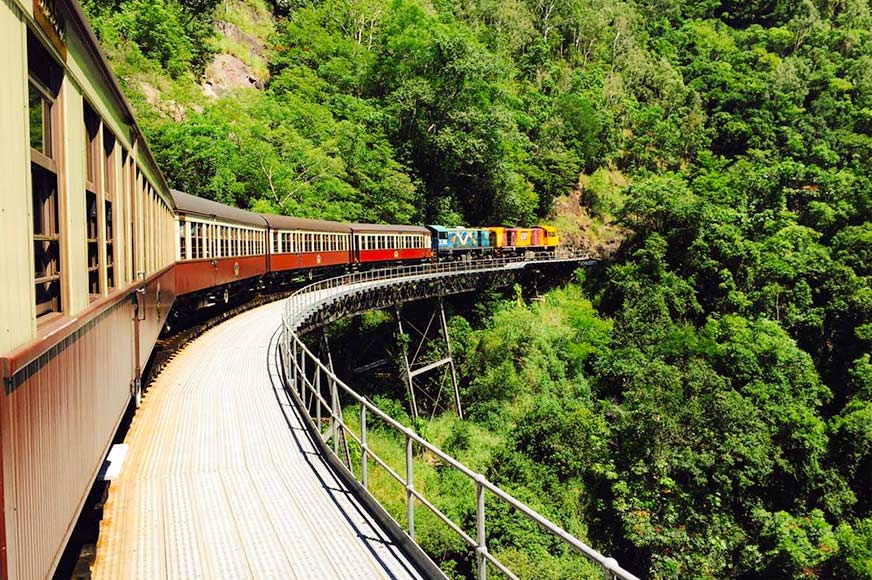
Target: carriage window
43, 87
194, 228
182, 240
92, 152
46, 240
129, 213
108, 201
93, 248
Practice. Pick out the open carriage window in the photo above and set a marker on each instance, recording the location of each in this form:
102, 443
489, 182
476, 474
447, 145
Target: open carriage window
44, 81
92, 180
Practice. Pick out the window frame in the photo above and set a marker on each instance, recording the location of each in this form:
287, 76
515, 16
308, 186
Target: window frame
46, 182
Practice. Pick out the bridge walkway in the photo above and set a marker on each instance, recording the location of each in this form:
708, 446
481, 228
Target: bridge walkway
222, 479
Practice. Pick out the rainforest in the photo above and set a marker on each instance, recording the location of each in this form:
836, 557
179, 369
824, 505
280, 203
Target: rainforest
699, 404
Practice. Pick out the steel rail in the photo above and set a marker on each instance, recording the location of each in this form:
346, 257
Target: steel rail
295, 354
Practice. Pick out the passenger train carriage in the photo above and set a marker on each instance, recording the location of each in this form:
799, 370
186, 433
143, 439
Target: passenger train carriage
216, 244
86, 227
298, 243
381, 243
97, 249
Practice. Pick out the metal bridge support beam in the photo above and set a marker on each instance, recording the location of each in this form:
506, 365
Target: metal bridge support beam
408, 370
448, 360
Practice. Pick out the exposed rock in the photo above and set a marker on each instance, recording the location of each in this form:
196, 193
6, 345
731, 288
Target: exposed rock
151, 94
227, 73
233, 32
579, 231
167, 107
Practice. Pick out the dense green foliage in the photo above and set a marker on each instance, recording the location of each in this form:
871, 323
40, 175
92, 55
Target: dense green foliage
708, 412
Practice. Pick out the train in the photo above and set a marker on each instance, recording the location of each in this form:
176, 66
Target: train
98, 250
223, 251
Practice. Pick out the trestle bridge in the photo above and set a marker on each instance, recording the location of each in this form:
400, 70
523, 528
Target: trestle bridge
238, 463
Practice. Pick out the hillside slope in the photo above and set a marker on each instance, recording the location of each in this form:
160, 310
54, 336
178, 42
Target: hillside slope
720, 369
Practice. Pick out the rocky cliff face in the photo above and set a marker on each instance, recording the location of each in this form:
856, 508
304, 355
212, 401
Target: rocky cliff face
241, 60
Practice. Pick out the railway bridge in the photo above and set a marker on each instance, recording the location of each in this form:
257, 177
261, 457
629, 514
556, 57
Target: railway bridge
235, 463
230, 468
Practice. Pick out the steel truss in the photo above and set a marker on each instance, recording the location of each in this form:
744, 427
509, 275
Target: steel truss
411, 371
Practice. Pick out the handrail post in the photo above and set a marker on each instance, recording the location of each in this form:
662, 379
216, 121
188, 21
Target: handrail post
364, 467
334, 415
304, 386
294, 370
410, 485
318, 397
607, 573
479, 528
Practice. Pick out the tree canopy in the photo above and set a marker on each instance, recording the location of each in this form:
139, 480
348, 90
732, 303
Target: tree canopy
700, 404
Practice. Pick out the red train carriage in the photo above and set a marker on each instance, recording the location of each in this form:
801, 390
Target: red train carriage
387, 243
216, 244
296, 243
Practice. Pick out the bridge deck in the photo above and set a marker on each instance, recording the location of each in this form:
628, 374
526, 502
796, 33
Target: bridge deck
222, 480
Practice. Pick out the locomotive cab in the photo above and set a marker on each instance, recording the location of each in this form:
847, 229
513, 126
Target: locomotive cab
550, 238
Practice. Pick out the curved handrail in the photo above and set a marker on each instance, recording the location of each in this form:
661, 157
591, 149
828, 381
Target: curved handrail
296, 355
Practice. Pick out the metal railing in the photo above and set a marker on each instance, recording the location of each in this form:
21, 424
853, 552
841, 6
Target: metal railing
303, 376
